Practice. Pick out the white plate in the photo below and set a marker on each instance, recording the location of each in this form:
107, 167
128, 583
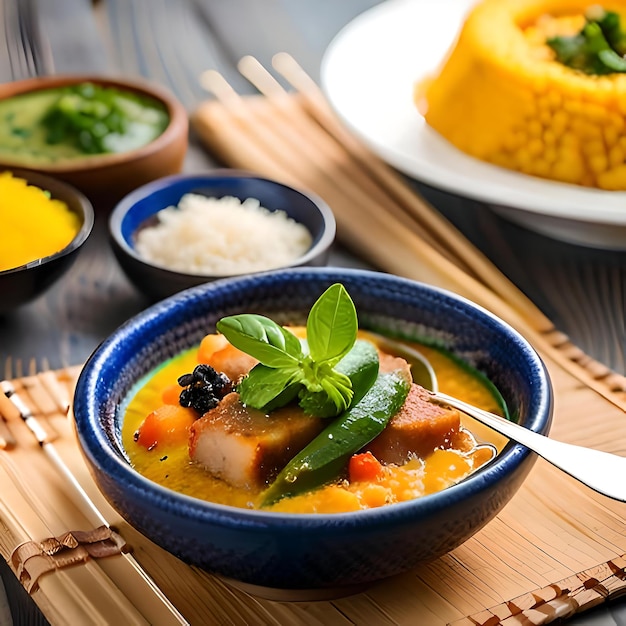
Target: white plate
368, 73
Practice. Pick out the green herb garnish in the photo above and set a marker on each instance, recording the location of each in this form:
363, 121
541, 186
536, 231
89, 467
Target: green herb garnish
599, 48
290, 368
93, 118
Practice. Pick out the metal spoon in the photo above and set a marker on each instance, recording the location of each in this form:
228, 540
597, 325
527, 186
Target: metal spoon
601, 471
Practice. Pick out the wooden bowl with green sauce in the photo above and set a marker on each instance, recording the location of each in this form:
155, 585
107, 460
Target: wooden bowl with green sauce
105, 136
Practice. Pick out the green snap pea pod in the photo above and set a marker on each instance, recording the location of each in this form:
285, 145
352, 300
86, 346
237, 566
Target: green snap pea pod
325, 457
360, 365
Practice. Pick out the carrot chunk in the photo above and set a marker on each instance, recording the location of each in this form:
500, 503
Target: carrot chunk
166, 426
171, 394
216, 351
364, 467
209, 345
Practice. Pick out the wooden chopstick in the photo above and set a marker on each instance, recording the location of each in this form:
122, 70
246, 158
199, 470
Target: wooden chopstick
7, 439
254, 133
314, 113
334, 154
318, 107
416, 206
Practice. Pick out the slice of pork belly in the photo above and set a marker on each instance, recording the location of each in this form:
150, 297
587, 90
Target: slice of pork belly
417, 429
245, 447
391, 363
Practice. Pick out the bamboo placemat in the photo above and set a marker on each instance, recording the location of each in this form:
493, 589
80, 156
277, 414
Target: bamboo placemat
555, 550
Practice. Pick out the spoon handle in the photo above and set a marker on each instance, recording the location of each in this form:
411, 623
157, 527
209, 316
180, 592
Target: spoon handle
602, 471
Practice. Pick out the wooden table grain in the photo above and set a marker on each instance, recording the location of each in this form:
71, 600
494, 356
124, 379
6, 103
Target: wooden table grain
583, 290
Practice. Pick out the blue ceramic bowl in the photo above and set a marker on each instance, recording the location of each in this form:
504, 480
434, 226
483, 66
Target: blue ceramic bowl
298, 553
25, 283
136, 210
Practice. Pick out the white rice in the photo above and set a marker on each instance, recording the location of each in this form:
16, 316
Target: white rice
222, 236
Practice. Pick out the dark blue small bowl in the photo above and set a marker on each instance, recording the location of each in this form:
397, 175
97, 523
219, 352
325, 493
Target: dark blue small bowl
25, 283
136, 210
305, 556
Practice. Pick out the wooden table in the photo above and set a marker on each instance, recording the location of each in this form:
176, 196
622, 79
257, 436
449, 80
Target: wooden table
582, 290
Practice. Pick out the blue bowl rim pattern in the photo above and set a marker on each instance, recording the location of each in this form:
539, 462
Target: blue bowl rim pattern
61, 191
97, 447
319, 245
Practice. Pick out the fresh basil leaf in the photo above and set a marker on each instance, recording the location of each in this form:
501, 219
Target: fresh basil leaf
332, 325
287, 395
263, 339
265, 384
288, 366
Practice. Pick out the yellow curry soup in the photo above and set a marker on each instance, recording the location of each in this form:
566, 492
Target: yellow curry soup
170, 465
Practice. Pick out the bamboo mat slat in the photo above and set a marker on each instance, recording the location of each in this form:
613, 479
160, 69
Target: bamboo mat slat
556, 549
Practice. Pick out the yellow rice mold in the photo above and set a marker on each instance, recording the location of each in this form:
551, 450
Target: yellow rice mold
502, 97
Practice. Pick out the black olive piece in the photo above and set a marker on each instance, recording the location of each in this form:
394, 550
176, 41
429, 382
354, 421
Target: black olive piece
185, 380
203, 388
